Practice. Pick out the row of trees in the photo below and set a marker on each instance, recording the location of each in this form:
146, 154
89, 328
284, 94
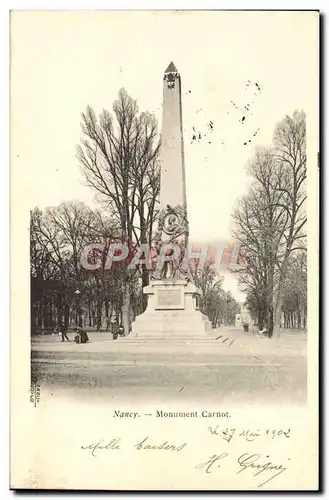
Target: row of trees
64, 291
270, 224
218, 304
119, 158
61, 289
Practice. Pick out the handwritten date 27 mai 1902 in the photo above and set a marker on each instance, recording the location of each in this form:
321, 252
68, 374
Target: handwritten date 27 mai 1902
248, 434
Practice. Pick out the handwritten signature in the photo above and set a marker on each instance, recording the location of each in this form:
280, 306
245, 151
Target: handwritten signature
250, 461
246, 461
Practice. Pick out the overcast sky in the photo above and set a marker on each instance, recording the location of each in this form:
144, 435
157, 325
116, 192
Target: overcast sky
64, 61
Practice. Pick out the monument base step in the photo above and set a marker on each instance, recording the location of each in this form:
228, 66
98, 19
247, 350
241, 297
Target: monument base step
172, 339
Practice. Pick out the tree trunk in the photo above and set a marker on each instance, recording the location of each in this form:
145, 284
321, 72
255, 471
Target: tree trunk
80, 315
99, 315
299, 320
260, 319
106, 311
126, 307
271, 322
42, 313
76, 312
276, 320
66, 316
89, 313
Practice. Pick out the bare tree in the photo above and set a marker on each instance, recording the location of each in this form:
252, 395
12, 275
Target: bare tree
290, 152
119, 158
269, 222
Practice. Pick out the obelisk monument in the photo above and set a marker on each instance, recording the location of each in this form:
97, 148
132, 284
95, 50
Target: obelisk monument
173, 224
173, 185
172, 311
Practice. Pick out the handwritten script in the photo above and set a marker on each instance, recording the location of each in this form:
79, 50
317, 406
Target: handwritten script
261, 467
252, 462
248, 434
144, 444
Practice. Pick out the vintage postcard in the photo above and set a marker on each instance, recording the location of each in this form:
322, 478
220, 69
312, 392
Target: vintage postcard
164, 243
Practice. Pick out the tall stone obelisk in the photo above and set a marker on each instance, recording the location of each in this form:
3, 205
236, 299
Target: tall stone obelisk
173, 184
173, 224
172, 311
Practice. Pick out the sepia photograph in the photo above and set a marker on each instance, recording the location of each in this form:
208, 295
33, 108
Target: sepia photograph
130, 290
160, 183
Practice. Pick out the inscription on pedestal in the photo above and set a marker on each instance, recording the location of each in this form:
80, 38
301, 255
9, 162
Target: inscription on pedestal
169, 299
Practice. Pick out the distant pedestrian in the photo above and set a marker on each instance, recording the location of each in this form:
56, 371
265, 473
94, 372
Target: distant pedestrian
63, 332
84, 336
81, 336
115, 329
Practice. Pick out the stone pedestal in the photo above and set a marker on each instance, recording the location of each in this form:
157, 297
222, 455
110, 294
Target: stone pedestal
172, 312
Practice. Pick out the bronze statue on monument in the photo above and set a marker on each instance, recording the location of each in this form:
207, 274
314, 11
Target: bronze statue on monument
172, 230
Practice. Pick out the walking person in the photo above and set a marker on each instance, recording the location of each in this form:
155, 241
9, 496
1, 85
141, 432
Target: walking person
63, 332
115, 329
